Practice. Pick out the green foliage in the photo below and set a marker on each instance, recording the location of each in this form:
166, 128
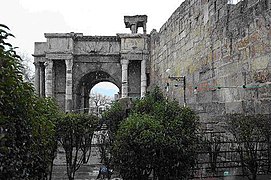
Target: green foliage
150, 103
173, 153
135, 147
44, 121
26, 127
16, 99
75, 132
113, 118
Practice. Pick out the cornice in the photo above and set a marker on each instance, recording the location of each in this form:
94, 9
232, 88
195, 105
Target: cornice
62, 35
137, 35
98, 38
97, 54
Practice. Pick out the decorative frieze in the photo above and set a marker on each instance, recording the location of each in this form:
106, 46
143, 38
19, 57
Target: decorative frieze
98, 38
132, 56
60, 56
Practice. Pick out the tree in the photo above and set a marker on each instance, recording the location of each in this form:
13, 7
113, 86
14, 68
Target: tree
27, 72
211, 144
97, 100
135, 147
26, 122
264, 126
44, 122
75, 132
251, 141
175, 155
16, 99
112, 118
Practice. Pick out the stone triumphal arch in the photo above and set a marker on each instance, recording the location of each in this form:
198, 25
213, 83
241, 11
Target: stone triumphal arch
68, 65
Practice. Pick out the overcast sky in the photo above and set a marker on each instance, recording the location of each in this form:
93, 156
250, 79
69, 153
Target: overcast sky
30, 19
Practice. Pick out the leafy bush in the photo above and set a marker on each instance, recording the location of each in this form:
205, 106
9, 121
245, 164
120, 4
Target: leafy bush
26, 122
136, 144
171, 155
75, 132
113, 118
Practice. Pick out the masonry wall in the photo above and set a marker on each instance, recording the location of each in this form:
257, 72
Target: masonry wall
223, 50
60, 82
134, 72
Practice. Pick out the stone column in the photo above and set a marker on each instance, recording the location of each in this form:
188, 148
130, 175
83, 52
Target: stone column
42, 80
86, 102
124, 78
49, 78
37, 77
84, 98
68, 95
143, 78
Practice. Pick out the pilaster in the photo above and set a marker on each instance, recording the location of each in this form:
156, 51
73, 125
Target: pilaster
37, 78
49, 78
68, 94
42, 80
84, 99
124, 78
143, 78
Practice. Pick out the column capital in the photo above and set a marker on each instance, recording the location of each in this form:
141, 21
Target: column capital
124, 61
37, 64
48, 62
69, 63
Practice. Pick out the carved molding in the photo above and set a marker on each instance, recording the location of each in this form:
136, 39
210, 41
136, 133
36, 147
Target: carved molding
97, 54
59, 56
98, 38
90, 47
95, 60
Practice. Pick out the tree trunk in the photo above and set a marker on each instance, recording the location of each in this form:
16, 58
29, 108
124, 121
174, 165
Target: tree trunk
51, 170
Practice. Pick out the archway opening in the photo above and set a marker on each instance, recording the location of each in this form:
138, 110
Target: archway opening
101, 96
96, 81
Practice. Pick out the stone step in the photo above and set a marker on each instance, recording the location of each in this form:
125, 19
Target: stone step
85, 172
